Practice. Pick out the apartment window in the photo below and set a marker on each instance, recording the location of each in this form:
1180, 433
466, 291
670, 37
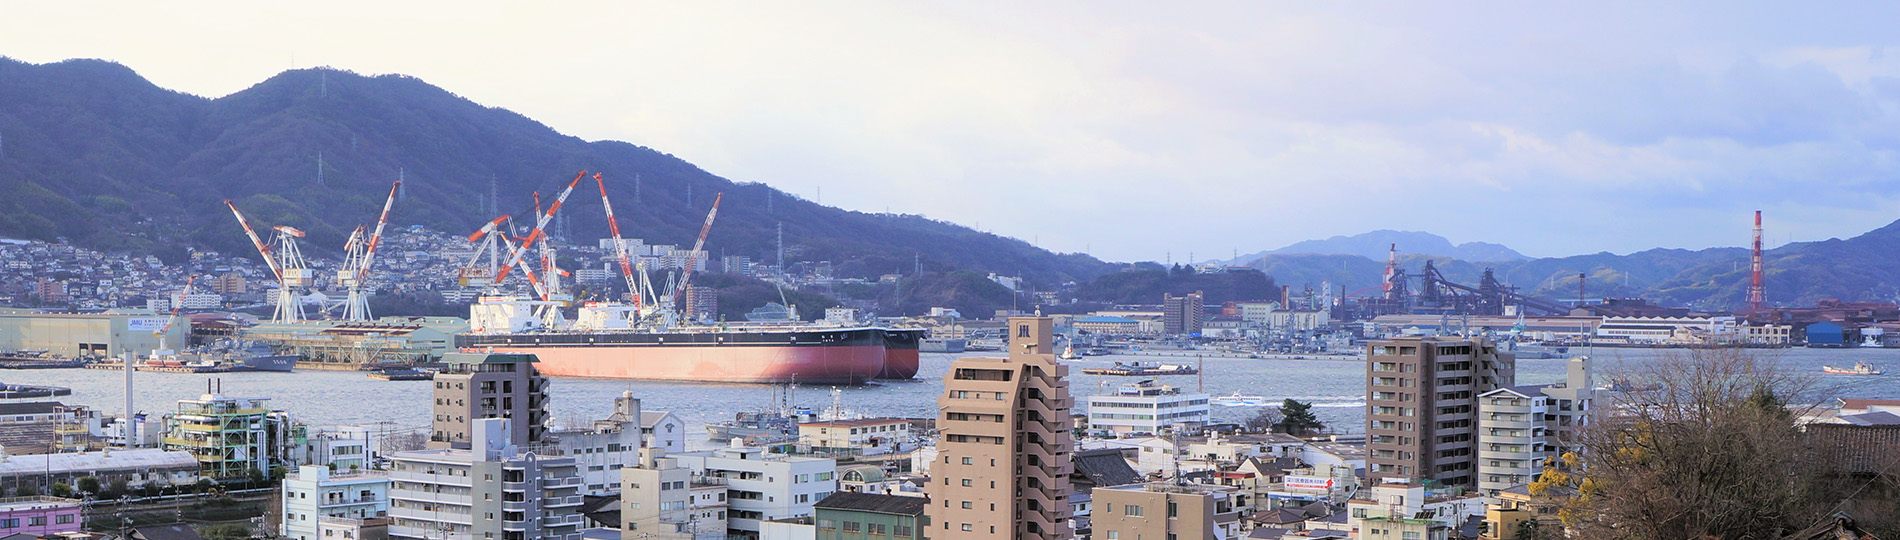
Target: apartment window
64, 519
37, 521
901, 530
968, 506
1171, 510
1114, 535
966, 482
852, 526
1131, 509
966, 527
966, 461
876, 528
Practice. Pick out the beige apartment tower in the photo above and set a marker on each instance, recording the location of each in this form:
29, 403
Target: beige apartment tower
1422, 406
1004, 450
488, 385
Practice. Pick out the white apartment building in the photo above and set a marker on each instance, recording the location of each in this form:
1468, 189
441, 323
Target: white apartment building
1146, 407
493, 491
1522, 428
663, 498
1511, 437
875, 435
761, 488
663, 430
315, 493
601, 450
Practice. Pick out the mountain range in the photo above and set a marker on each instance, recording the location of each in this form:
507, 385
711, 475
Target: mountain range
1862, 268
93, 153
1374, 245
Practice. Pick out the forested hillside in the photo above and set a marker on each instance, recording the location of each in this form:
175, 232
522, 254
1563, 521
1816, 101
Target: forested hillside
92, 153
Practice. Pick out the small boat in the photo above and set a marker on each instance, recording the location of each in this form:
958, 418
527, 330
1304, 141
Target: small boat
401, 374
1068, 353
1238, 400
1860, 368
1142, 369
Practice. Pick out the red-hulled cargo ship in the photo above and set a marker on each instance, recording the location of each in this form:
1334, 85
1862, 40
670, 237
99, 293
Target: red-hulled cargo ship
813, 355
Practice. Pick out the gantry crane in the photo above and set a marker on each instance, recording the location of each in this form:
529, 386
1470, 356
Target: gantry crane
286, 263
620, 249
360, 253
176, 306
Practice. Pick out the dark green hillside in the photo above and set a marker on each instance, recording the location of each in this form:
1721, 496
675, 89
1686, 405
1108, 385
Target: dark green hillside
92, 153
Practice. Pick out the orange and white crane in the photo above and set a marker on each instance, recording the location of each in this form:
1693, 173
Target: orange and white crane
620, 247
178, 303
359, 254
692, 257
286, 263
540, 224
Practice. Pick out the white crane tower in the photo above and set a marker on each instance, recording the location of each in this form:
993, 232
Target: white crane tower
285, 262
359, 254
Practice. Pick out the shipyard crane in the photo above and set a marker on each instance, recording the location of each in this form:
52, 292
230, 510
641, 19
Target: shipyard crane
539, 231
692, 257
620, 247
286, 263
474, 273
176, 306
360, 253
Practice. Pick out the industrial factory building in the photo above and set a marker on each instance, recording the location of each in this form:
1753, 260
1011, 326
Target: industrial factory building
109, 333
342, 344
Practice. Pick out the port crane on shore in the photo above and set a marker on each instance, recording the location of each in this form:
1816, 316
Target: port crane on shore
504, 255
359, 254
285, 262
678, 292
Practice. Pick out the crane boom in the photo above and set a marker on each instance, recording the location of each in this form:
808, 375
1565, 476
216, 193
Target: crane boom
261, 248
539, 223
692, 259
620, 247
180, 305
369, 252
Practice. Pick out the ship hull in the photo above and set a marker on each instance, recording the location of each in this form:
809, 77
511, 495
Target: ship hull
850, 356
900, 354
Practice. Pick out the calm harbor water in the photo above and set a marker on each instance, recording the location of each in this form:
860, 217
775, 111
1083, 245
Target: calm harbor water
1336, 387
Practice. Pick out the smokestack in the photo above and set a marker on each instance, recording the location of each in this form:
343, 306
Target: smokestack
1755, 292
1286, 296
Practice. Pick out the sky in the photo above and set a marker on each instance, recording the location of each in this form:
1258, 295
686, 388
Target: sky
1147, 130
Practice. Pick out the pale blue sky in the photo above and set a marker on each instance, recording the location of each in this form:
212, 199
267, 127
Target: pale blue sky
1139, 129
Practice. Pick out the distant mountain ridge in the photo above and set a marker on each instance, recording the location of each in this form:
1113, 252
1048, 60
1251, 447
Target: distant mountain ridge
93, 153
1374, 245
1862, 268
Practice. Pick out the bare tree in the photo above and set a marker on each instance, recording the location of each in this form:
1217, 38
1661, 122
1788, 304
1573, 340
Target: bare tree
1266, 420
1706, 446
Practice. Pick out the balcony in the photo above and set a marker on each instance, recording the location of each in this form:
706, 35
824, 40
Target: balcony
441, 478
427, 496
561, 483
560, 502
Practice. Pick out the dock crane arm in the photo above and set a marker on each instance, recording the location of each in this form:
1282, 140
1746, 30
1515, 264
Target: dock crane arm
692, 259
262, 249
540, 223
620, 247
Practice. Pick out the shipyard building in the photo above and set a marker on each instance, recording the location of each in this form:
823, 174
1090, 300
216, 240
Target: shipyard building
110, 333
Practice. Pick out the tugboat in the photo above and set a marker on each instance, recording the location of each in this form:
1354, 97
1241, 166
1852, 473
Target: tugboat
1068, 353
1860, 368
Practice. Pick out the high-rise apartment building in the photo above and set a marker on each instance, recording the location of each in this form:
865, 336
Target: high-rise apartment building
702, 303
1005, 443
1422, 405
1521, 428
492, 490
1182, 315
488, 385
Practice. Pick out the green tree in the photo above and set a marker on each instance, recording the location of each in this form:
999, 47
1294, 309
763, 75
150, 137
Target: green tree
88, 484
62, 490
255, 476
1299, 418
204, 485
